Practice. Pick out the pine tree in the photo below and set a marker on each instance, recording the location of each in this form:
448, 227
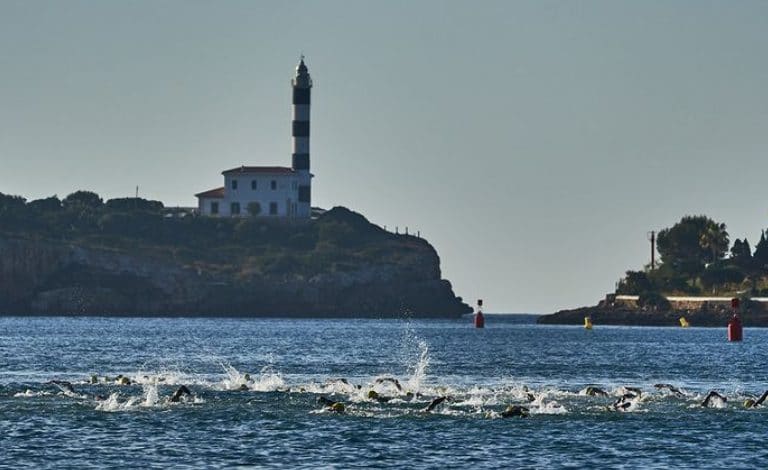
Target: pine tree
761, 253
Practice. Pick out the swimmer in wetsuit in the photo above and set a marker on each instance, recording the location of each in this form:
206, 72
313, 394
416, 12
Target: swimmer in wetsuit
330, 405
712, 394
595, 391
669, 387
391, 380
625, 401
374, 395
64, 386
515, 411
180, 392
435, 403
750, 403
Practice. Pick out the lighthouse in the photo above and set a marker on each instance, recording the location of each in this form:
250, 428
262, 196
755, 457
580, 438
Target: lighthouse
302, 87
270, 191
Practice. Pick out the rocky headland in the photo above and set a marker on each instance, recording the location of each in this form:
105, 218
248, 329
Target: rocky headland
128, 262
698, 274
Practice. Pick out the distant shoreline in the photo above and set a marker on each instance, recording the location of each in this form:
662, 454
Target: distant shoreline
698, 312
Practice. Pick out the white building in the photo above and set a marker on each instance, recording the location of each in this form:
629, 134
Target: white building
274, 191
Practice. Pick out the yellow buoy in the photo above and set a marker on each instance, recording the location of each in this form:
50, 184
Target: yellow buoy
684, 323
588, 323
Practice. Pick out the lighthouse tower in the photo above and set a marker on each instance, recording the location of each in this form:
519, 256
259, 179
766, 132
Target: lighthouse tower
302, 87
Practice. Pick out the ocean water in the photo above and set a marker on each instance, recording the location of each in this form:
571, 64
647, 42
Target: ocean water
255, 386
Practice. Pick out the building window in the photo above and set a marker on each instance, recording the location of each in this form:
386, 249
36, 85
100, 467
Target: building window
273, 185
254, 208
234, 208
234, 184
254, 185
304, 194
214, 208
272, 208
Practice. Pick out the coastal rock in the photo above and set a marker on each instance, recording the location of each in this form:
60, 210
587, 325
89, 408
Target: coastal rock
387, 276
605, 313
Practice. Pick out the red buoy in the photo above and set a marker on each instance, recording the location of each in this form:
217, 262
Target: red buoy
479, 319
735, 328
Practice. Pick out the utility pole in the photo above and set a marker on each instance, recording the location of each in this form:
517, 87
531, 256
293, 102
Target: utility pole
652, 238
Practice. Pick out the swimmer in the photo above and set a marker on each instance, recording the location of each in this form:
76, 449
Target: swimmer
621, 404
515, 410
65, 387
435, 403
750, 403
669, 387
633, 390
624, 402
392, 380
595, 391
330, 405
712, 394
68, 390
122, 380
374, 395
181, 391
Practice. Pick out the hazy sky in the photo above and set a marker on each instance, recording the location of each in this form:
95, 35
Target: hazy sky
533, 143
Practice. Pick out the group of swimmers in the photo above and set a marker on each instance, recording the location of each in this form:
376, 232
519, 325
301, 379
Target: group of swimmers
624, 402
68, 390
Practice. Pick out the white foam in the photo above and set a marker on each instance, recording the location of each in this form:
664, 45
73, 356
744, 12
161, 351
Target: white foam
29, 394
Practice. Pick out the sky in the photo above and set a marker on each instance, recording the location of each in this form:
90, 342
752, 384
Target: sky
533, 143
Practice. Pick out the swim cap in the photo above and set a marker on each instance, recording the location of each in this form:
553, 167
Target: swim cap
337, 407
749, 403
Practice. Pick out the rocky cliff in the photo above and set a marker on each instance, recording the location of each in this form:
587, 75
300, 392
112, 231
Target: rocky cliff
337, 265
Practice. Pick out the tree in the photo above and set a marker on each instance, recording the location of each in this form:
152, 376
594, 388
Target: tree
717, 275
691, 243
741, 254
129, 204
634, 283
82, 199
760, 258
10, 203
49, 204
715, 240
12, 208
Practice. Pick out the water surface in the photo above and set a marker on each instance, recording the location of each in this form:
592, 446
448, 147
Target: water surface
271, 416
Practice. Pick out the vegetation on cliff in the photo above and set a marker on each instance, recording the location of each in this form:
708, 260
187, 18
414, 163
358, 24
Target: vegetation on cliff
696, 260
309, 266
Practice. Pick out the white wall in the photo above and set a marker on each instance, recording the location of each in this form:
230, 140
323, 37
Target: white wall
285, 195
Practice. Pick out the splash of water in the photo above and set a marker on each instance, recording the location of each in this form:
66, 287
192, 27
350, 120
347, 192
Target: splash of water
268, 380
418, 371
151, 396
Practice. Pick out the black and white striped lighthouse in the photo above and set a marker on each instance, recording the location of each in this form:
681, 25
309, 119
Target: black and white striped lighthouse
302, 87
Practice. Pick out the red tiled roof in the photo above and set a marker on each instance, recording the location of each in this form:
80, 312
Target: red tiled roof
260, 169
217, 193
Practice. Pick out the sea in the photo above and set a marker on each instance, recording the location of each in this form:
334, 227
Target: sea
107, 392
